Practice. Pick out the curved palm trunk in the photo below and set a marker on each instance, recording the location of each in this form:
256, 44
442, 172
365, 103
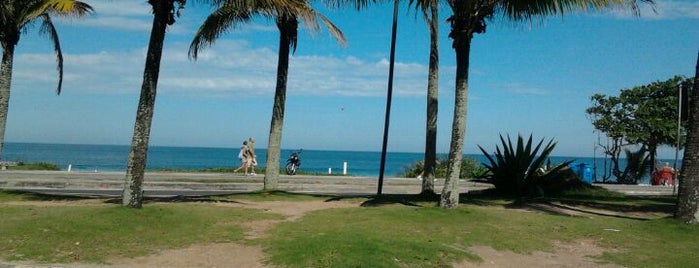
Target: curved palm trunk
136, 166
688, 193
287, 31
8, 53
432, 105
450, 193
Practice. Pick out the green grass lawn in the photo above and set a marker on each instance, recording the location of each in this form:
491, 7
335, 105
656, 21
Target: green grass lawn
396, 231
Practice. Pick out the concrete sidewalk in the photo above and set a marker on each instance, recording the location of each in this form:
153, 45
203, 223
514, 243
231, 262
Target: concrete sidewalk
111, 183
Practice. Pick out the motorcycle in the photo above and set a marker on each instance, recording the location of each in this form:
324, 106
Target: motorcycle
293, 163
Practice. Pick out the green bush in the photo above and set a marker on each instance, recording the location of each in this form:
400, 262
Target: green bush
470, 168
34, 166
520, 170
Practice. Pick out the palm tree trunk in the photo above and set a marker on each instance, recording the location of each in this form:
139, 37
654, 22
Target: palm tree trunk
5, 83
287, 32
688, 192
432, 105
462, 48
136, 166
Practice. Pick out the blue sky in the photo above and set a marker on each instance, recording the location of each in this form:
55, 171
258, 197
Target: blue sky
524, 78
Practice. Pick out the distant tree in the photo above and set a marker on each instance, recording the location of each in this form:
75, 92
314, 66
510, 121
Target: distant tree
688, 194
16, 16
164, 13
608, 115
469, 18
287, 16
643, 116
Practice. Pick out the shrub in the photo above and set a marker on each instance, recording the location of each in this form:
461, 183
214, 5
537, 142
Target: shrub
470, 168
520, 170
35, 166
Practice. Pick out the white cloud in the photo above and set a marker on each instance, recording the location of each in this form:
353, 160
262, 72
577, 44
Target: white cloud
663, 10
136, 15
231, 68
121, 23
128, 8
677, 9
127, 15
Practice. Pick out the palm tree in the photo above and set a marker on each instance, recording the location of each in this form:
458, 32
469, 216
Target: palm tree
164, 12
430, 10
15, 17
469, 18
287, 17
688, 194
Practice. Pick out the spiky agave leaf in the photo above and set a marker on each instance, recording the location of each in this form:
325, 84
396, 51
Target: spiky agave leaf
513, 169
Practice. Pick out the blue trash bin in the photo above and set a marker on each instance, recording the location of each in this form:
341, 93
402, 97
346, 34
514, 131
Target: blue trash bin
585, 172
575, 168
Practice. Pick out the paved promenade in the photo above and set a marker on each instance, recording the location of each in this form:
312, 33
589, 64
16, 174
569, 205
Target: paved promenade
108, 183
164, 184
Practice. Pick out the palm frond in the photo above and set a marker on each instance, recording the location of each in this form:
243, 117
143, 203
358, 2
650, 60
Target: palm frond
356, 4
424, 5
232, 13
216, 24
68, 8
311, 19
49, 30
527, 10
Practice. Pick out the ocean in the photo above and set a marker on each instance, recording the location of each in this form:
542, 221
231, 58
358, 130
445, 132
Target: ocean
96, 158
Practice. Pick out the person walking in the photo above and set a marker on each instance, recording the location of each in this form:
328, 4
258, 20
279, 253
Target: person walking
251, 153
242, 156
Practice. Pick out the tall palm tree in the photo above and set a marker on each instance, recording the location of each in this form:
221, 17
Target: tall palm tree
164, 12
469, 18
688, 194
287, 16
430, 11
15, 17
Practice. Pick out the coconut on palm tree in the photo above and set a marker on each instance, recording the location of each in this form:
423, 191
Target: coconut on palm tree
470, 17
15, 17
287, 16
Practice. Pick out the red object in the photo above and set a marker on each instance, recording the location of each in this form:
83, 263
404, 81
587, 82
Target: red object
662, 177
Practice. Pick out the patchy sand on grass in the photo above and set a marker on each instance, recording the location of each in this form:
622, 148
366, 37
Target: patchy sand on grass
580, 253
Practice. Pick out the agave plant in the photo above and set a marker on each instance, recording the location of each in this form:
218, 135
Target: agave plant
521, 169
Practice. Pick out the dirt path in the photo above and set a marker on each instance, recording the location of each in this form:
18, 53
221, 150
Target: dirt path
577, 254
232, 254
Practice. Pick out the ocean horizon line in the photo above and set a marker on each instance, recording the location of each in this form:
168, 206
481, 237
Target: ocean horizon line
265, 148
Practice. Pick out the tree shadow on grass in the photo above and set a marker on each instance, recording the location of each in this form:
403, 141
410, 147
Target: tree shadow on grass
237, 198
32, 196
600, 203
622, 204
479, 198
565, 210
412, 200
619, 205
